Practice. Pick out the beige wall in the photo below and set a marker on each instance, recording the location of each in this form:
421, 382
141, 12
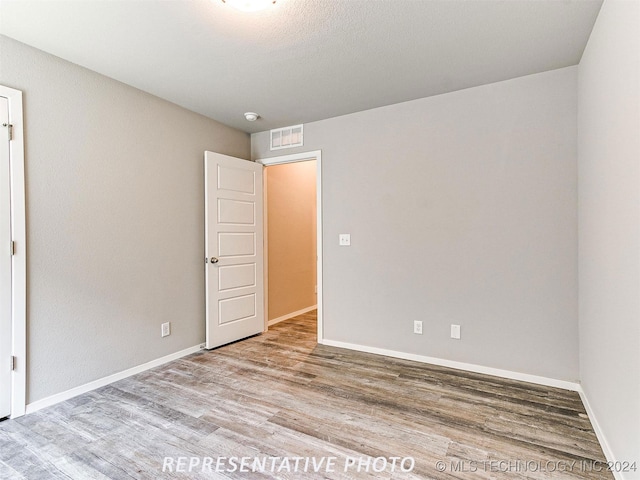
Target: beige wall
291, 223
115, 220
609, 234
462, 208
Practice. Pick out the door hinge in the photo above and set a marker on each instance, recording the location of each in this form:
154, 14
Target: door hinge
10, 129
13, 363
12, 248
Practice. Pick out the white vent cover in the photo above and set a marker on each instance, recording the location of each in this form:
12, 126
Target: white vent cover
287, 137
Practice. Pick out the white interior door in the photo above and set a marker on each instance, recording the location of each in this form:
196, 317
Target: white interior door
234, 249
5, 263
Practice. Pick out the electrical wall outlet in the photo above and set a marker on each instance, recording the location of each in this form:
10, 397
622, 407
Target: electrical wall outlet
344, 239
455, 332
417, 327
166, 329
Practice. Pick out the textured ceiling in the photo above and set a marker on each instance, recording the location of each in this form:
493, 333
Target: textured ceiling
304, 60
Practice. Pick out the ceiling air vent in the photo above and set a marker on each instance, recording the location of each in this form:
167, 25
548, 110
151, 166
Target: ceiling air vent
286, 137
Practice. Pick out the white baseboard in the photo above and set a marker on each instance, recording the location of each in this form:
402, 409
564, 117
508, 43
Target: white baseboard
101, 382
550, 382
469, 367
291, 315
606, 449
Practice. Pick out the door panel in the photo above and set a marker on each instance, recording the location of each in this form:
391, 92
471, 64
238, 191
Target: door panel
5, 264
236, 179
236, 244
234, 235
237, 276
235, 211
237, 308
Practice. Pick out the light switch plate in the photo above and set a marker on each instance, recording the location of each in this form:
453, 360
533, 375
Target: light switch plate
344, 239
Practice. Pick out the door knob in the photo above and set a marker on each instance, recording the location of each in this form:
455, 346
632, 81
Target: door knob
214, 260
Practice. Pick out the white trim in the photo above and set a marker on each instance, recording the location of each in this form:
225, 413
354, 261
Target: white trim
265, 247
292, 158
101, 382
469, 367
19, 259
291, 315
602, 439
301, 157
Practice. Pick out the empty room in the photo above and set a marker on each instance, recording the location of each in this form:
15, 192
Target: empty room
320, 239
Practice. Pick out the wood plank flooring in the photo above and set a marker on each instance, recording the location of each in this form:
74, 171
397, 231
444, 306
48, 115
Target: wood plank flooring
279, 396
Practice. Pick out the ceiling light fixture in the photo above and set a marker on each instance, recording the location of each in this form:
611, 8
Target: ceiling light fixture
251, 116
249, 5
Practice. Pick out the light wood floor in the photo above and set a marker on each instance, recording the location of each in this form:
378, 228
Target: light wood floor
282, 395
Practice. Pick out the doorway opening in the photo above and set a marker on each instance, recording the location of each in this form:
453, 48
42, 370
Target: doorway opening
293, 237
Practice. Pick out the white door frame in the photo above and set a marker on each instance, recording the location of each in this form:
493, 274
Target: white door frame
301, 157
19, 259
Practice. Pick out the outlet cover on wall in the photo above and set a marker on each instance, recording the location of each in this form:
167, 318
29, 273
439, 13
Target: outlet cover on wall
166, 329
344, 239
455, 332
417, 327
